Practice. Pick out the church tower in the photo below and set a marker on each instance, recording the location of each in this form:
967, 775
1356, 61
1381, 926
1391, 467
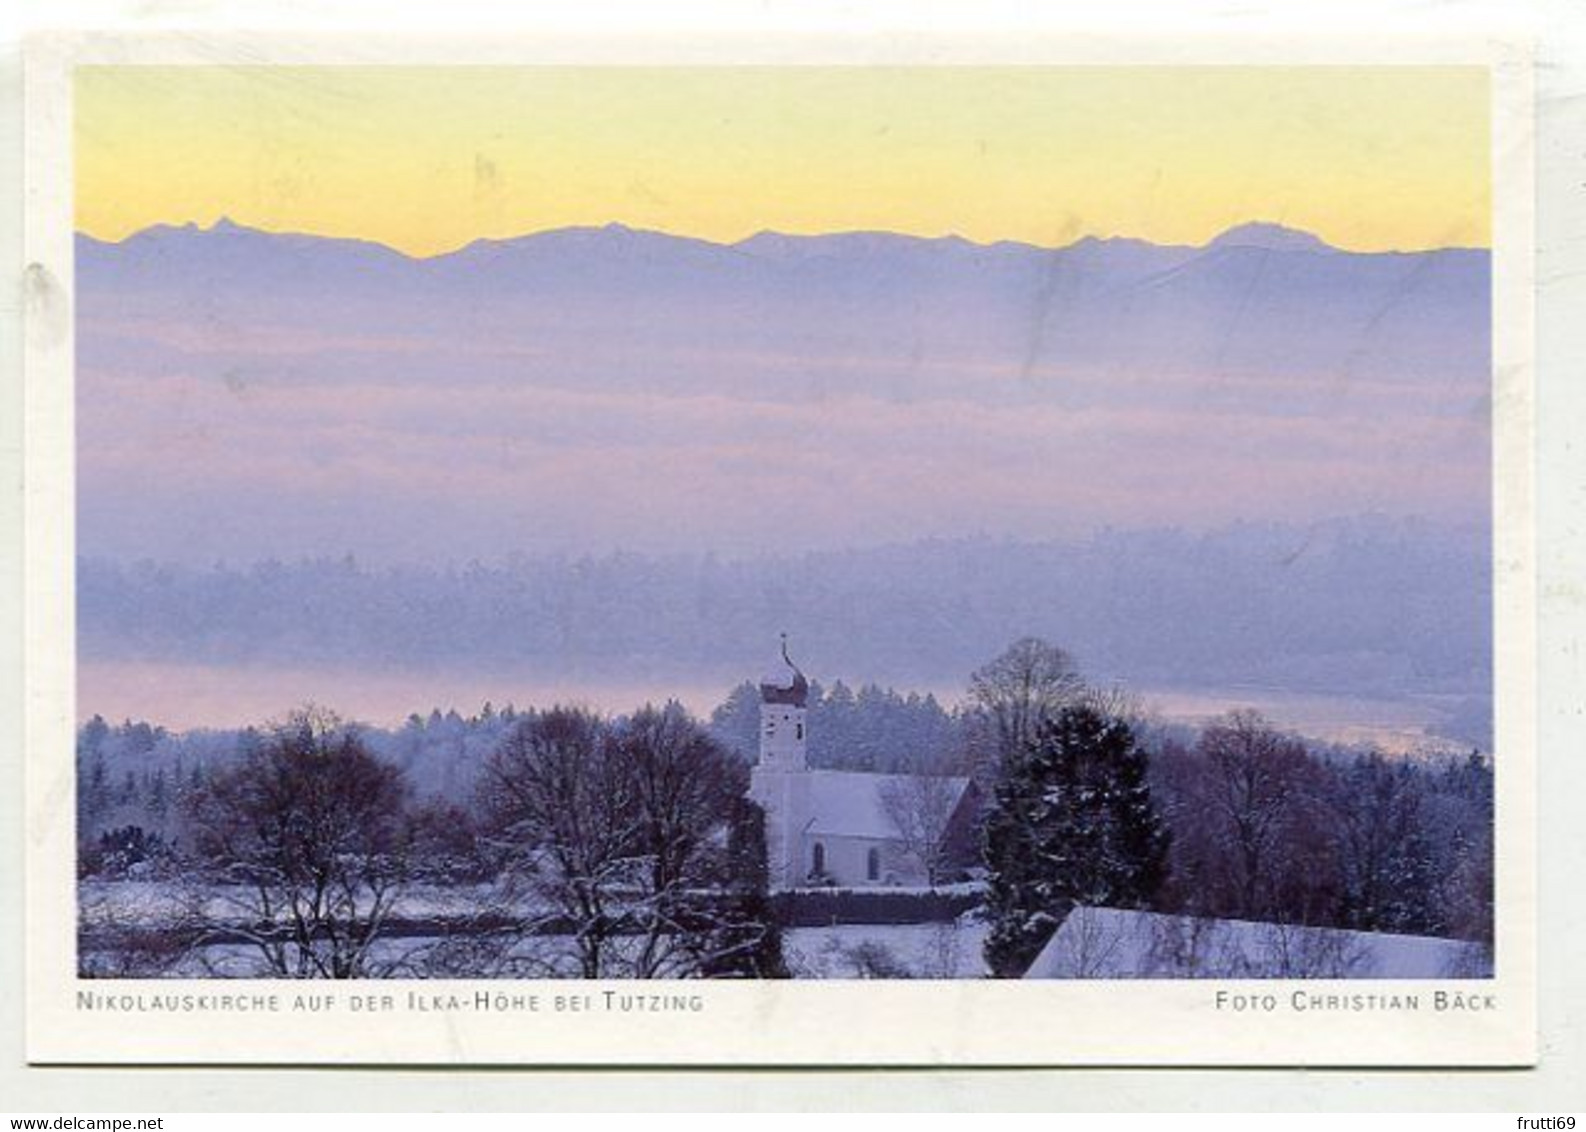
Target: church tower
784, 697
781, 780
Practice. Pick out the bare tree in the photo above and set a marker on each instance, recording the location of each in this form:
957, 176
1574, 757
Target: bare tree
1116, 702
1028, 684
306, 838
558, 808
1092, 943
946, 952
1289, 952
686, 788
494, 923
140, 938
1254, 799
502, 934
920, 808
1191, 947
627, 832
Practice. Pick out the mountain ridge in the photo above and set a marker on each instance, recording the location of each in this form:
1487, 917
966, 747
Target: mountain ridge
873, 385
1264, 235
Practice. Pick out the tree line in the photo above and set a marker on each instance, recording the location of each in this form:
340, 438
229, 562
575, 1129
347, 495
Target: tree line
1368, 605
632, 839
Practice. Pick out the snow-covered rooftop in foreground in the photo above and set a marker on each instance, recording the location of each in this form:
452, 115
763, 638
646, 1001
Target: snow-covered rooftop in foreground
1109, 943
854, 803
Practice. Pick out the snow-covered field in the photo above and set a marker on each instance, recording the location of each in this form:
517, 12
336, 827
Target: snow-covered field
942, 950
151, 903
1092, 943
848, 951
950, 950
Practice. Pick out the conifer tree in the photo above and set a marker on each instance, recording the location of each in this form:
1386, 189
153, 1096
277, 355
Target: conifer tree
1073, 823
746, 940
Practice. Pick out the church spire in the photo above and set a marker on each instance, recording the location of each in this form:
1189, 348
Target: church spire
786, 685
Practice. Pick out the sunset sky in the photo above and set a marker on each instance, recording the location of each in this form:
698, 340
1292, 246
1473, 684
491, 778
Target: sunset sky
429, 159
253, 400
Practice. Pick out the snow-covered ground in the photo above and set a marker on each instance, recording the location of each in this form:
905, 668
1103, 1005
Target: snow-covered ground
151, 903
941, 950
952, 950
1092, 943
1108, 943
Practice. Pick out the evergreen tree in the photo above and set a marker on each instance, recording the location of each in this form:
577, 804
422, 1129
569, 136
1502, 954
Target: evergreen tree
746, 938
91, 739
736, 722
93, 794
1383, 853
157, 797
1409, 906
1073, 823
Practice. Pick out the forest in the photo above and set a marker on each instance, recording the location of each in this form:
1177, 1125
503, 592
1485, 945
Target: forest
1370, 606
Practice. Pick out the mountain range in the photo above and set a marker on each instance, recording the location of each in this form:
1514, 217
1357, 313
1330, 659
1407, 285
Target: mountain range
1257, 298
244, 394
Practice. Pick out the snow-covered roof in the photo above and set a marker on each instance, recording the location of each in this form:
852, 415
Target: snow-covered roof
853, 804
1111, 943
783, 683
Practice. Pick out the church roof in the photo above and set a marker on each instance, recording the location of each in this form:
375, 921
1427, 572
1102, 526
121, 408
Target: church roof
784, 683
854, 804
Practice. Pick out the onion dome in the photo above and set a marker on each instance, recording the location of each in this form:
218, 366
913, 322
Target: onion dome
785, 684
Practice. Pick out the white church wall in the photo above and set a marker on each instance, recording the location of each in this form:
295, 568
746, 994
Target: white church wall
785, 799
848, 861
782, 738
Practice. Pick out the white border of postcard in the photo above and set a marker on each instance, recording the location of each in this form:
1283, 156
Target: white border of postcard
724, 1023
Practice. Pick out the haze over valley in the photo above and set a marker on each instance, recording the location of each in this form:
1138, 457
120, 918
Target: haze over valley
602, 458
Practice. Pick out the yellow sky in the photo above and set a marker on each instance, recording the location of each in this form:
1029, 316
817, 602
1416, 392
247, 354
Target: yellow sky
427, 159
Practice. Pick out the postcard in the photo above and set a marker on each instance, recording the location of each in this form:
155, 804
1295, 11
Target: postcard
755, 552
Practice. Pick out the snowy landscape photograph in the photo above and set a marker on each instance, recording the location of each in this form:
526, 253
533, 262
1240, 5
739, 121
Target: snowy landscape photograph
784, 523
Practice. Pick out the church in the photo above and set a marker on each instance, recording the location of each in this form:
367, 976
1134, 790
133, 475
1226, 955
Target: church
847, 829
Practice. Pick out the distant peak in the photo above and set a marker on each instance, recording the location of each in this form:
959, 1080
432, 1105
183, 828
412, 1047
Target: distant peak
864, 241
226, 224
1271, 237
766, 238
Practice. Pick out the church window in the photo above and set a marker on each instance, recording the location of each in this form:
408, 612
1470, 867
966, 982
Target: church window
873, 864
818, 858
